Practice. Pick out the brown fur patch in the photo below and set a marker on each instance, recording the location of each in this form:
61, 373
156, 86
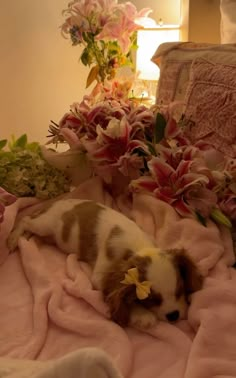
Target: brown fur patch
111, 252
180, 287
68, 219
189, 278
127, 254
116, 231
118, 296
85, 215
154, 299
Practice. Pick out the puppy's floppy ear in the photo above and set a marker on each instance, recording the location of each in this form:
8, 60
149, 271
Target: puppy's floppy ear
118, 296
120, 302
188, 271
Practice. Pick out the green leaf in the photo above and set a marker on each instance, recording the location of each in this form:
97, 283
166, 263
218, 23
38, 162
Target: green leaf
86, 37
200, 218
21, 142
159, 129
6, 155
151, 149
11, 142
113, 48
34, 146
93, 74
219, 217
85, 57
145, 164
3, 143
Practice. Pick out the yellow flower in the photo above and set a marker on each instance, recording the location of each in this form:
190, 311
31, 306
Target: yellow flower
142, 288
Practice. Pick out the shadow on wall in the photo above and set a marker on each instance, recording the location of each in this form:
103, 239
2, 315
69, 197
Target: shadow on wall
204, 21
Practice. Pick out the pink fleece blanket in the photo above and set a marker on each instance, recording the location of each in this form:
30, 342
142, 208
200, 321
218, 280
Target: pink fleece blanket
48, 307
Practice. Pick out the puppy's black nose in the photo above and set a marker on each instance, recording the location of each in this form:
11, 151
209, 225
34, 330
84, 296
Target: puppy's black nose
172, 316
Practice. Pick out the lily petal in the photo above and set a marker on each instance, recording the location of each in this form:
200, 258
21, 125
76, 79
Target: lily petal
172, 129
145, 183
182, 208
160, 171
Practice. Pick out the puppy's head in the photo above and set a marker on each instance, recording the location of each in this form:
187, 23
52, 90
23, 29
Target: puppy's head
172, 276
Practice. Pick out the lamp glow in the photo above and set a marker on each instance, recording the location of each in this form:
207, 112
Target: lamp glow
148, 41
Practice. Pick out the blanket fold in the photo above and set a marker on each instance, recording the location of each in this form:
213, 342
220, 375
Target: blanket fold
84, 363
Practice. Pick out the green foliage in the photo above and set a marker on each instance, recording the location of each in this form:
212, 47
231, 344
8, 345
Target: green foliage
201, 219
151, 149
220, 218
24, 172
159, 129
3, 143
104, 57
85, 57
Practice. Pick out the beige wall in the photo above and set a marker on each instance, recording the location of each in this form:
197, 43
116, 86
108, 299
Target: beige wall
204, 21
40, 75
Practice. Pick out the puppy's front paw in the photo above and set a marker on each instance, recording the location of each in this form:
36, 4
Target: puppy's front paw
142, 318
12, 241
13, 238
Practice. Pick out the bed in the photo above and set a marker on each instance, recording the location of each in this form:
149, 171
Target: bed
54, 324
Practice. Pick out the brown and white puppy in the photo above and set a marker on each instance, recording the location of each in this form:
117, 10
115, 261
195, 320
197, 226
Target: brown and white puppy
112, 244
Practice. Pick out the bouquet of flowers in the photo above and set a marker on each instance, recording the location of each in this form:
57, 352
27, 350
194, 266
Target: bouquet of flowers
107, 32
145, 149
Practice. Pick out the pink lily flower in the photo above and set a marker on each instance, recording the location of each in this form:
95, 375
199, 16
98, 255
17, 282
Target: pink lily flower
114, 150
122, 25
71, 122
71, 129
174, 156
78, 24
88, 16
228, 206
171, 185
101, 114
142, 121
222, 170
174, 135
93, 7
70, 137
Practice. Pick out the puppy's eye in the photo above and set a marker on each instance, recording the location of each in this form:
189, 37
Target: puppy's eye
179, 290
154, 299
179, 294
188, 299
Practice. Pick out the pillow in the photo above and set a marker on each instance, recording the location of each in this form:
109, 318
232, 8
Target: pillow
174, 60
210, 105
228, 21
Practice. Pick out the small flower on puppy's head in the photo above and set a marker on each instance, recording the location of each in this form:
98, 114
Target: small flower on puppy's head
143, 289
